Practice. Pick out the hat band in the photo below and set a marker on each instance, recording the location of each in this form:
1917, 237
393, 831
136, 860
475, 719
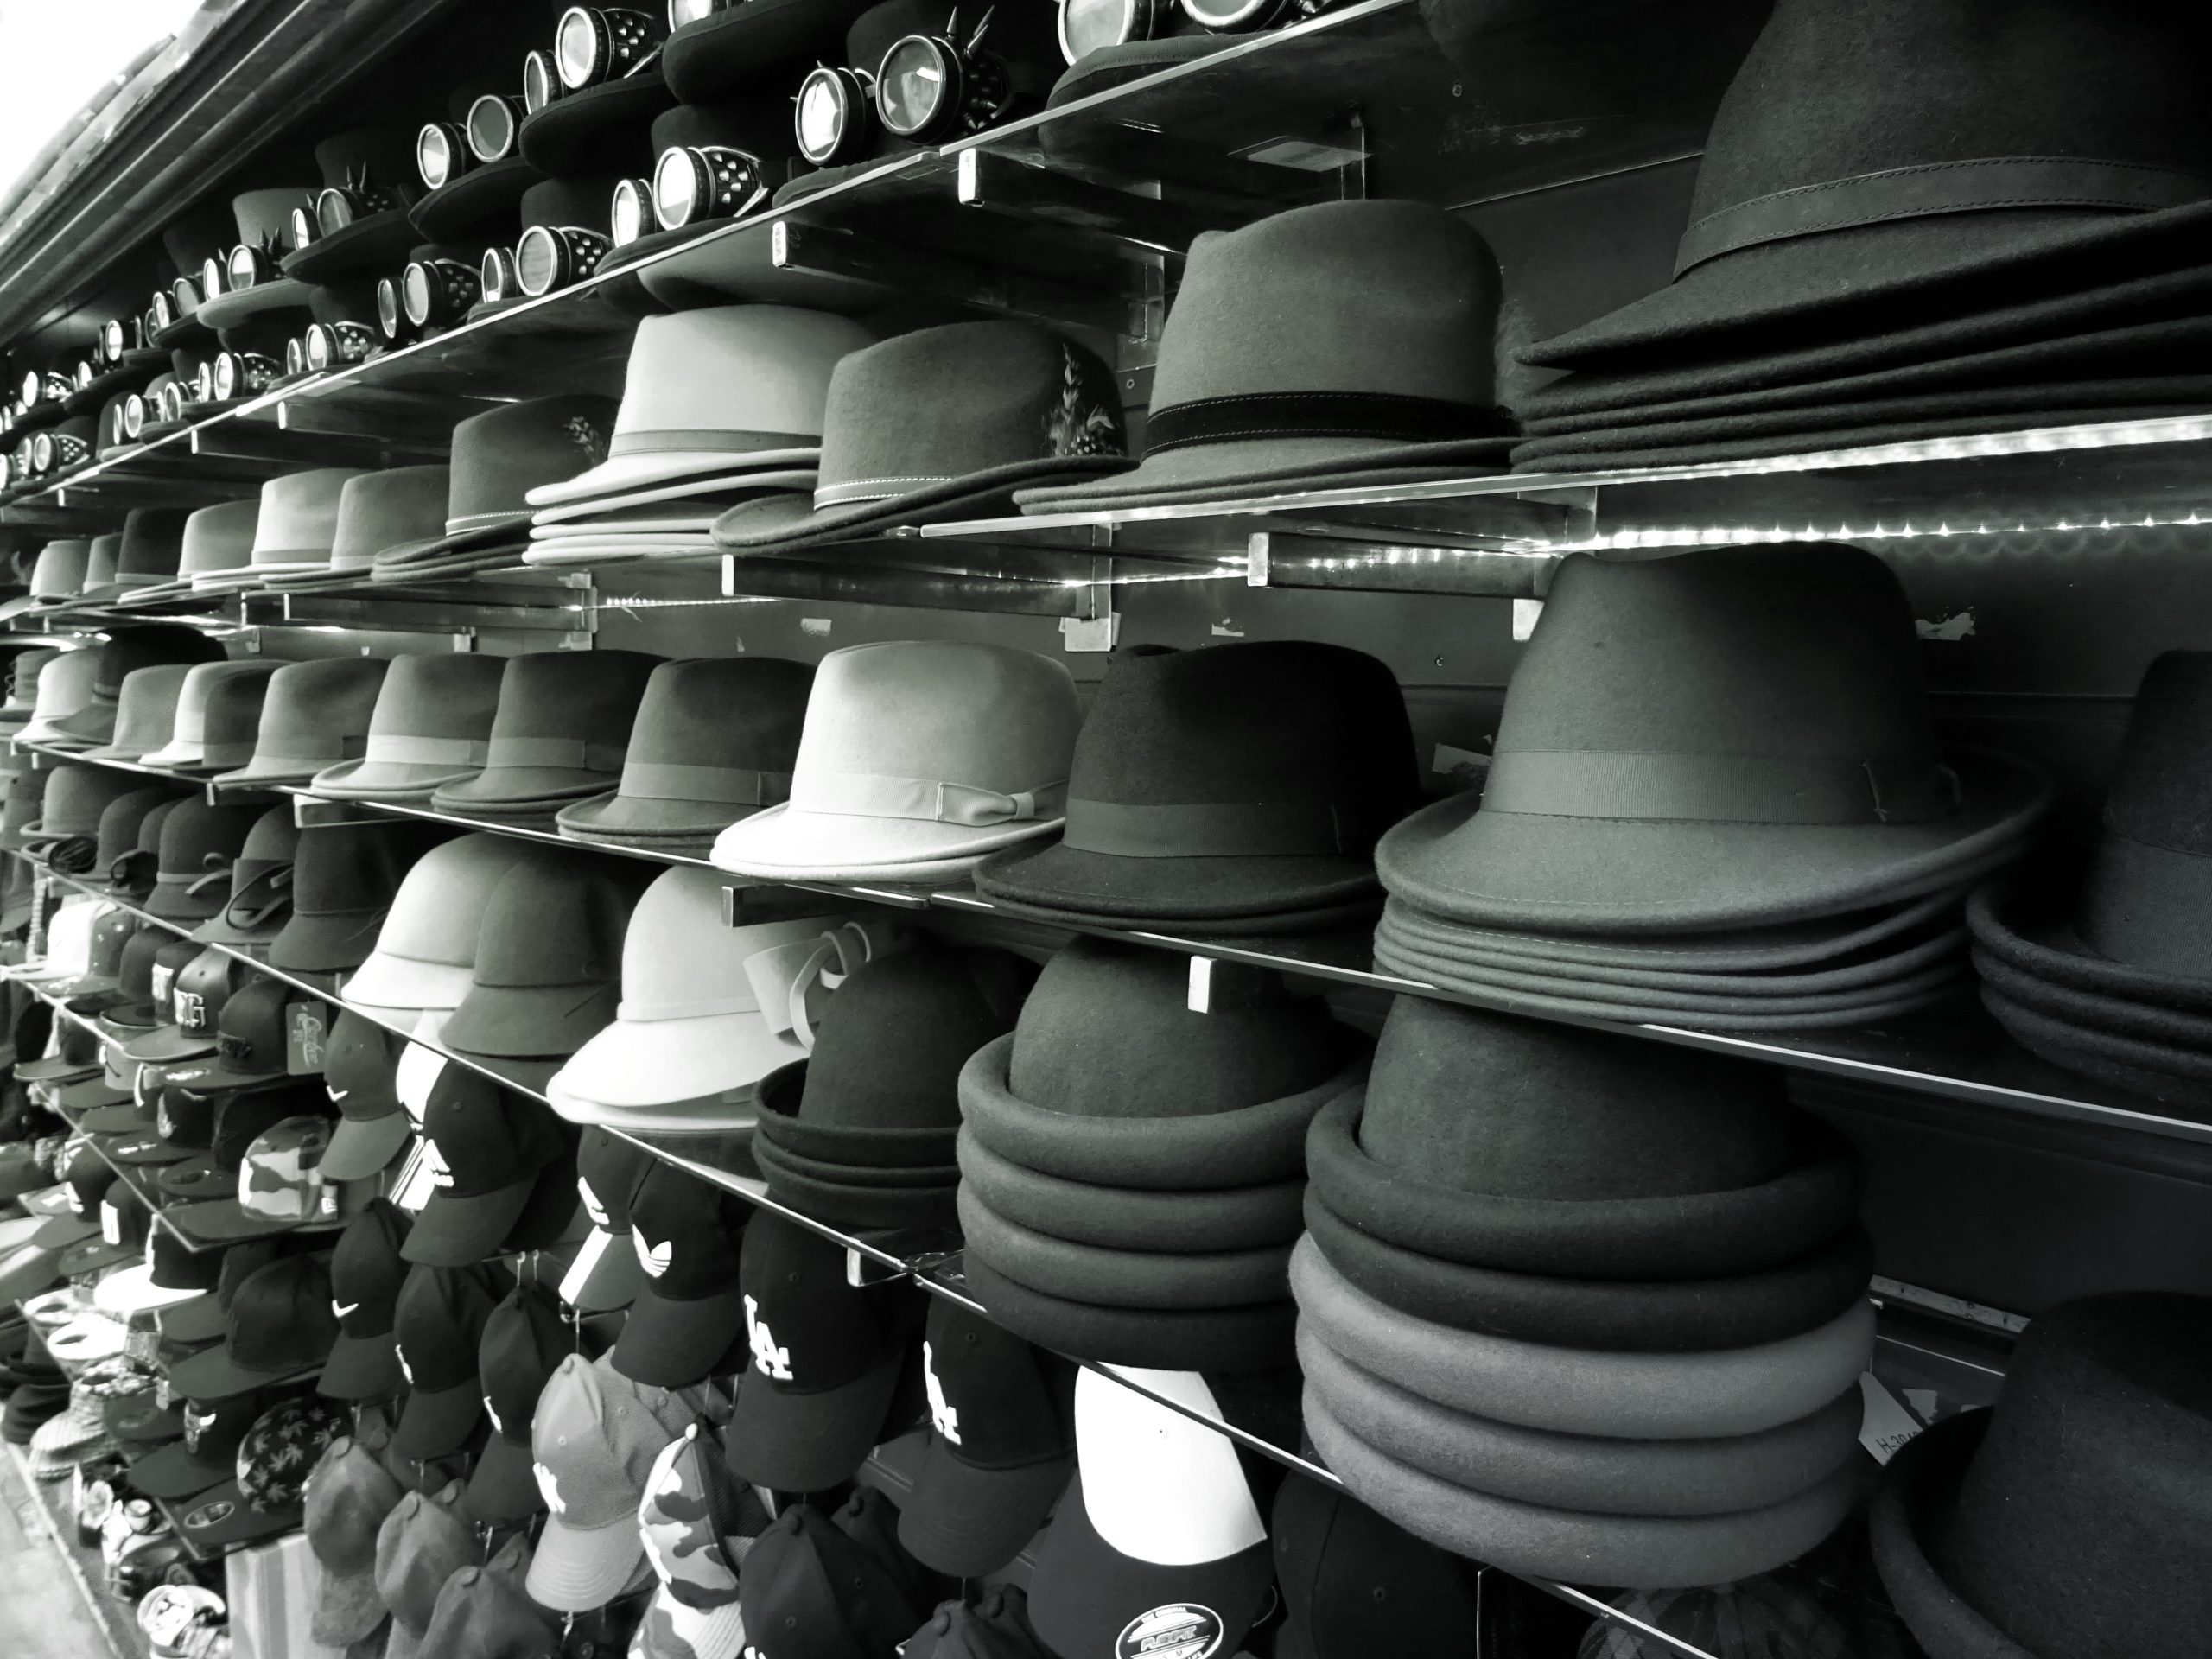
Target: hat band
713, 439
1384, 415
1971, 187
427, 751
1720, 788
561, 751
630, 1013
875, 795
658, 780
348, 748
1211, 830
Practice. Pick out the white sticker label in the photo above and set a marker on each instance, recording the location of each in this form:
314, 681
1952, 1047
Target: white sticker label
1887, 1427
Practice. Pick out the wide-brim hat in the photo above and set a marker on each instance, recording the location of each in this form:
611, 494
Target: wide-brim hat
733, 48
596, 129
235, 306
688, 503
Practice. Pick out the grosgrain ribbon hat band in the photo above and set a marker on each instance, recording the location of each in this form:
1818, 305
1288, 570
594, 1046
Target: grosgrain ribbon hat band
661, 780
1214, 828
1394, 418
1720, 788
680, 439
1939, 187
558, 752
427, 751
875, 795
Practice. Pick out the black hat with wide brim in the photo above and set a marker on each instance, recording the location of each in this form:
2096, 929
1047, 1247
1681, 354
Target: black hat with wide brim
1919, 1488
2167, 1072
235, 306
486, 200
376, 241
740, 46
602, 129
1116, 66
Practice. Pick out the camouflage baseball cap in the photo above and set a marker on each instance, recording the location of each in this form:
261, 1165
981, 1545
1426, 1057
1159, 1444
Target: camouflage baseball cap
698, 1522
281, 1188
671, 1630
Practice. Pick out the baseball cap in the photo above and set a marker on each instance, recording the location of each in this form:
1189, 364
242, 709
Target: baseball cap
240, 1118
1120, 1571
281, 1188
360, 1069
251, 1030
523, 1342
699, 1522
279, 1449
440, 1325
202, 1319
75, 1049
422, 1543
135, 1421
481, 1614
125, 1220
690, 1310
348, 1496
104, 960
485, 1145
206, 1455
605, 1274
1353, 1584
172, 1272
825, 1586
593, 1440
125, 1022
671, 1630
825, 1360
365, 1275
995, 1625
1001, 1444
196, 997
278, 1324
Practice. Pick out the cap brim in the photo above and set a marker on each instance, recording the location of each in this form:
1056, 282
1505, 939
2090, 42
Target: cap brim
808, 1442
362, 1147
238, 1523
347, 1608
224, 1221
133, 1291
455, 1232
197, 1320
575, 1570
969, 1520
213, 1374
172, 1471
668, 1344
436, 1422
362, 1368
386, 981
661, 1062
613, 1280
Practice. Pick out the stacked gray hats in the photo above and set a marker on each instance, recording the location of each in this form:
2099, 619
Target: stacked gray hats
1581, 1308
1131, 1171
1717, 800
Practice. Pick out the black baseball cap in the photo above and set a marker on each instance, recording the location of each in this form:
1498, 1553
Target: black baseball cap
995, 1625
76, 1052
524, 1341
487, 1147
202, 1321
249, 1036
608, 1169
127, 1021
360, 1067
365, 1276
242, 1116
123, 1219
278, 1324
1001, 1444
689, 1312
207, 1454
196, 997
1353, 1584
825, 1586
439, 1326
825, 1360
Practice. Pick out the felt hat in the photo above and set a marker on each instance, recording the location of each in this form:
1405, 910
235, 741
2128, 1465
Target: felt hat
57, 574
603, 128
313, 715
127, 649
1178, 748
145, 713
728, 50
360, 214
344, 878
264, 219
716, 740
217, 546
432, 724
297, 521
1012, 403
218, 714
396, 507
152, 544
561, 731
1322, 346
69, 811
2059, 1522
568, 224
261, 885
711, 395
1834, 196
692, 188
65, 689
426, 944
1792, 773
547, 961
484, 202
974, 759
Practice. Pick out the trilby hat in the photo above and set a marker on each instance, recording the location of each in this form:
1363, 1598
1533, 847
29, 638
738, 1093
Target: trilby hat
217, 546
1788, 769
314, 715
499, 458
432, 724
298, 518
547, 973
218, 713
398, 507
561, 731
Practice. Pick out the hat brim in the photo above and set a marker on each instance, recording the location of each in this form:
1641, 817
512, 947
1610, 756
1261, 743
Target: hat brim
380, 240
326, 942
388, 980
861, 1205
2173, 1075
2118, 1015
437, 1421
782, 840
387, 780
575, 1570
1906, 1524
147, 1154
1116, 66
662, 1062
1212, 471
1128, 1217
512, 786
502, 1487
669, 475
214, 1374
1255, 1276
1193, 890
1180, 1339
195, 1321
668, 825
584, 132
670, 1344
362, 1368
731, 50
225, 1221
173, 1472
597, 514
229, 309
968, 1521
240, 1523
2006, 925
462, 206
456, 1232
196, 1180
165, 1044
362, 1147
133, 1291
796, 1442
535, 1023
258, 771
775, 522
28, 1270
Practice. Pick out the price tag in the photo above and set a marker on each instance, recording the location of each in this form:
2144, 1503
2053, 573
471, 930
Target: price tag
1887, 1427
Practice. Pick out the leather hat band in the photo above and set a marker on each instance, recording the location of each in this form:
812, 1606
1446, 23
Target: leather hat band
1720, 788
1213, 829
873, 795
567, 752
1968, 187
426, 751
1384, 415
655, 780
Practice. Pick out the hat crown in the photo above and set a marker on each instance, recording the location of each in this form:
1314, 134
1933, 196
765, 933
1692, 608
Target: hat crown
760, 373
346, 868
299, 516
152, 540
100, 564
439, 910
1387, 298
220, 537
554, 922
1108, 1032
500, 456
590, 696
454, 695
2161, 792
742, 714
319, 710
1001, 394
888, 1052
585, 204
380, 510
60, 571
1510, 1108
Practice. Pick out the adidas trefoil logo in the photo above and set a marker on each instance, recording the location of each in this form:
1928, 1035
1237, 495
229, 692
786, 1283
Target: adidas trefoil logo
653, 1258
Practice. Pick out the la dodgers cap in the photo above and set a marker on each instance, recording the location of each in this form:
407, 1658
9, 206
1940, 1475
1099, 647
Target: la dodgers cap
689, 1311
365, 1276
439, 1323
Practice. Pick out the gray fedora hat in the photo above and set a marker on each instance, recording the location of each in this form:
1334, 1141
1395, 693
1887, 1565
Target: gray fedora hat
396, 506
1792, 773
432, 724
561, 731
1322, 346
313, 715
499, 457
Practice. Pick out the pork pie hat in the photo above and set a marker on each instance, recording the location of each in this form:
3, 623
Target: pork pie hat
594, 1439
153, 541
432, 724
711, 396
486, 1147
499, 457
279, 1323
917, 758
1120, 1572
2040, 1527
426, 949
199, 844
1229, 782
523, 1342
561, 731
438, 1326
1832, 196
218, 716
606, 129
1001, 1450
264, 222
761, 128
716, 740
943, 422
366, 1275
688, 1313
733, 50
348, 1496
397, 506
826, 1360
261, 885
313, 716
145, 714
1790, 772
548, 962
373, 168
297, 522
830, 1586
1323, 345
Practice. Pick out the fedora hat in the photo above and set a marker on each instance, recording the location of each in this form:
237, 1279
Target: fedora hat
695, 184
260, 899
23, 685
298, 518
343, 878
1836, 196
125, 650
499, 457
313, 715
199, 843
218, 713
399, 506
432, 724
359, 217
428, 942
917, 758
1009, 404
1327, 344
2064, 1520
58, 575
1792, 771
99, 565
730, 50
547, 974
711, 395
65, 689
265, 228
153, 541
218, 546
562, 732
1237, 781
716, 740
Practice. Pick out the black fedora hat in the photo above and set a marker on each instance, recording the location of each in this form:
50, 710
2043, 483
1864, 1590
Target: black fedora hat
1834, 191
1792, 773
359, 218
2063, 1521
1197, 792
499, 457
343, 878
561, 733
727, 49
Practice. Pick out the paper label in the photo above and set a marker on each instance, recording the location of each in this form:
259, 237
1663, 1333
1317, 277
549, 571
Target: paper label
1886, 1427
164, 982
307, 1031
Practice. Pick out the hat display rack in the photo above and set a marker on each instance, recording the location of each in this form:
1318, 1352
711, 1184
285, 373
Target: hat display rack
1443, 745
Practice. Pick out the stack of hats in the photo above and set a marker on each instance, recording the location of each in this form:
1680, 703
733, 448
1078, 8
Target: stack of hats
1236, 789
918, 759
1131, 1171
2117, 988
1717, 799
560, 735
861, 1134
1582, 1308
431, 725
2018, 252
720, 405
344, 1504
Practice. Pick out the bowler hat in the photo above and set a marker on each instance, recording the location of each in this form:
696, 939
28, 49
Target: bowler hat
562, 732
2065, 1520
432, 724
1790, 770
1232, 782
369, 183
264, 218
314, 715
499, 457
547, 973
426, 944
218, 713
392, 508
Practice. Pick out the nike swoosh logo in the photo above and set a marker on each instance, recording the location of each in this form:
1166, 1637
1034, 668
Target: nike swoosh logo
342, 1312
339, 1094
